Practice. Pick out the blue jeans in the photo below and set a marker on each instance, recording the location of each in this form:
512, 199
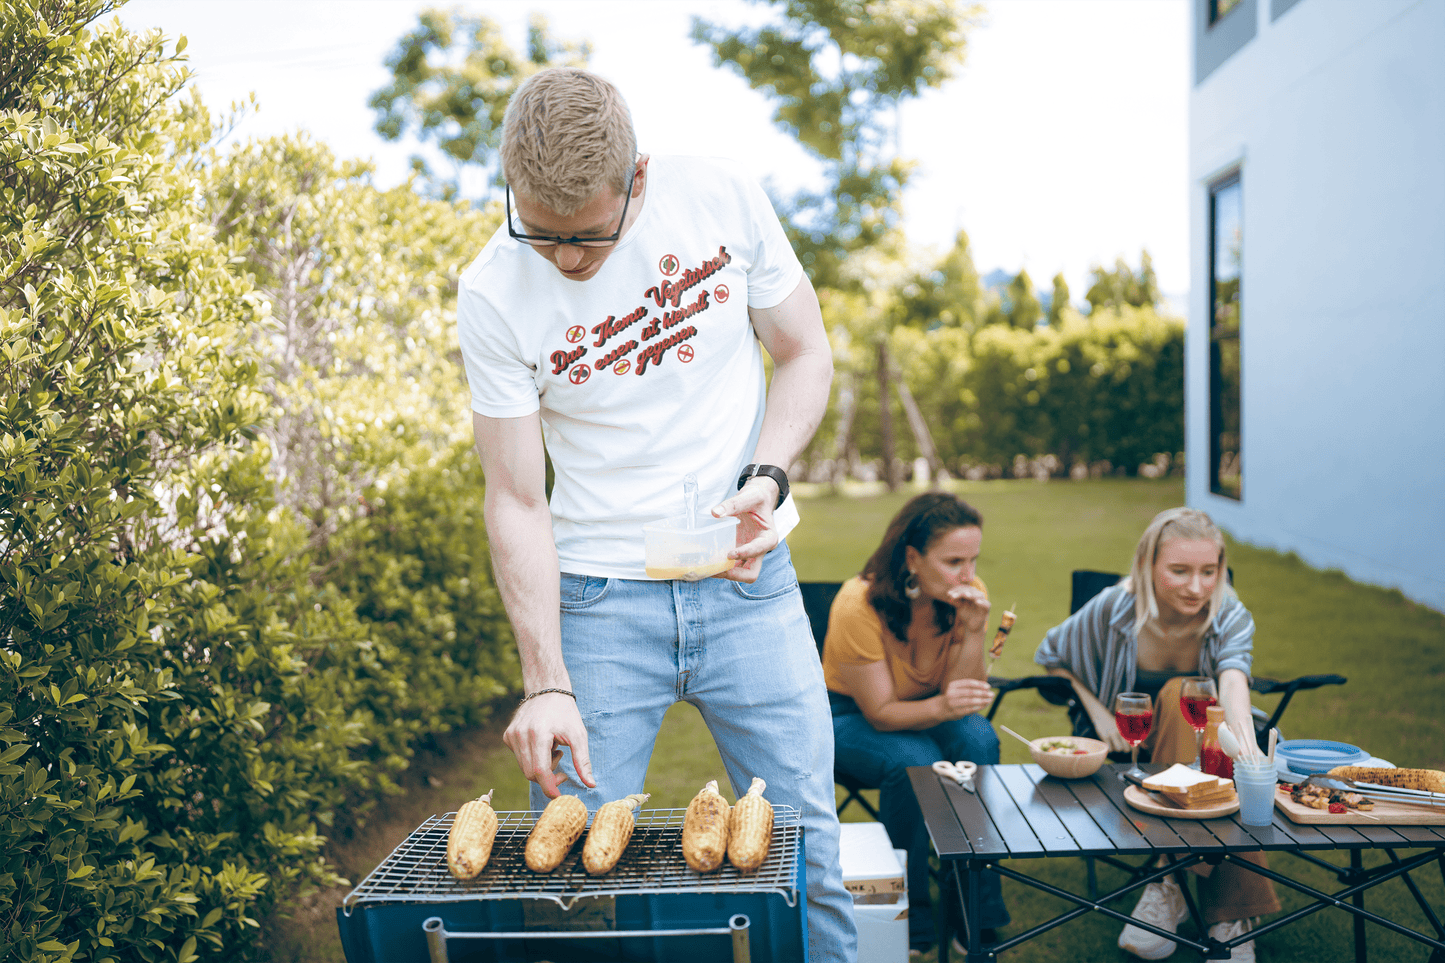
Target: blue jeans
744, 655
882, 759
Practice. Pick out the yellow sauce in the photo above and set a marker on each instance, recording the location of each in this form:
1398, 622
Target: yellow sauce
691, 573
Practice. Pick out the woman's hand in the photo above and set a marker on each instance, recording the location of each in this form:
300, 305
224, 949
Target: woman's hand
964, 697
1107, 728
970, 608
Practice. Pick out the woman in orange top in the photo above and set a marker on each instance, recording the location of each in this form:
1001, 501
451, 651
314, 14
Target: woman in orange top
904, 664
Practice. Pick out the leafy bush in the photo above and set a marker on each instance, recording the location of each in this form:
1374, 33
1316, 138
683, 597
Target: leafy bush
202, 658
122, 371
1109, 387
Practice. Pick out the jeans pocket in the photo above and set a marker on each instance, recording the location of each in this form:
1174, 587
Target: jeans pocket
582, 591
776, 579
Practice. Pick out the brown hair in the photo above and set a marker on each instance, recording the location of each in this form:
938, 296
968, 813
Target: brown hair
566, 135
918, 525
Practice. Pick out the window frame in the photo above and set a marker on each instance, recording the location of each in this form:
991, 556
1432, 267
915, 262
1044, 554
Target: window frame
1216, 186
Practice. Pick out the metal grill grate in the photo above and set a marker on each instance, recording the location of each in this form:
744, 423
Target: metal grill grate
416, 871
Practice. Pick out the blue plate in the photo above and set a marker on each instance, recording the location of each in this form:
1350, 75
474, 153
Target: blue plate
1310, 757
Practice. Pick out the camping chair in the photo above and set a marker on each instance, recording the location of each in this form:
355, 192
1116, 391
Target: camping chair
818, 600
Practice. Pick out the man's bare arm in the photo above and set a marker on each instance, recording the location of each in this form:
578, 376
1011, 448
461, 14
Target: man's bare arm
793, 334
524, 560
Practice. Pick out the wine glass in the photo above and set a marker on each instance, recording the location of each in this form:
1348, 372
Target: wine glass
1134, 715
1196, 695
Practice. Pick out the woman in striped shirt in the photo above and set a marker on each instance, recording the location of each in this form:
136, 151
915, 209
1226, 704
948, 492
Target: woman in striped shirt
1173, 617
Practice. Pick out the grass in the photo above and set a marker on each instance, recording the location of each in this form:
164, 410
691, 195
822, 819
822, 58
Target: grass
1308, 622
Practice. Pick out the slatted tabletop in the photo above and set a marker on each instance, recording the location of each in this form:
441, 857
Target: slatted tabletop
1020, 812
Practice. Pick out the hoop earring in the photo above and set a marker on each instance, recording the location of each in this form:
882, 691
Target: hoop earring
910, 586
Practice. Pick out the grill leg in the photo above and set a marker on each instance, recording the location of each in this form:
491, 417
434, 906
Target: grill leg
436, 939
741, 952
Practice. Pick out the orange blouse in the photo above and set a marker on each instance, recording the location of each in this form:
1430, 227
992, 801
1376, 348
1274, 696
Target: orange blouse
857, 636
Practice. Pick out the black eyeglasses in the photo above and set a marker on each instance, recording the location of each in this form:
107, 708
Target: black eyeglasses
551, 240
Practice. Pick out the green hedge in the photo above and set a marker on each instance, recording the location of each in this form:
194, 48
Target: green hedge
1109, 387
193, 682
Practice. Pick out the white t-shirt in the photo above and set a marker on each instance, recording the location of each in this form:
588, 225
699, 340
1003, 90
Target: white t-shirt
646, 371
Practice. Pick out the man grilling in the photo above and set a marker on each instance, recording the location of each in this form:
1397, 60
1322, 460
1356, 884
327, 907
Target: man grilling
619, 321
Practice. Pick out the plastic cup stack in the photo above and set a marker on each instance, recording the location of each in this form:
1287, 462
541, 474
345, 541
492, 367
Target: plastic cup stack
1254, 780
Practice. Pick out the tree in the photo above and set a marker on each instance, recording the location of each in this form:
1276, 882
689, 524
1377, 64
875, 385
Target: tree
1121, 286
838, 69
949, 294
1059, 301
451, 79
1023, 306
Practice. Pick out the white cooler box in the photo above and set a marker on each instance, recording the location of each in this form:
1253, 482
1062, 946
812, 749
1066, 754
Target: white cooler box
876, 874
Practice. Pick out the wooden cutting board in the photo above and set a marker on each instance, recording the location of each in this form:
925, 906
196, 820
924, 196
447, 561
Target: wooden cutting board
1385, 813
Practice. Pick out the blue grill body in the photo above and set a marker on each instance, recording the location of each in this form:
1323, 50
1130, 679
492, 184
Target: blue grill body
381, 921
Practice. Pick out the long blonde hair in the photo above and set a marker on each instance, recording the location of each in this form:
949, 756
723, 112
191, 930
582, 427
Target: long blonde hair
1168, 525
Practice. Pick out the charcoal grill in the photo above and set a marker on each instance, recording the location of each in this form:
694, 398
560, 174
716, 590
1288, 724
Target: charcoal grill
651, 907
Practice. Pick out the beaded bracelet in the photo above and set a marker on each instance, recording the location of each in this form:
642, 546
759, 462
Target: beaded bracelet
544, 692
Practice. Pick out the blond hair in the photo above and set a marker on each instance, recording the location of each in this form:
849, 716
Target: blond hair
1168, 525
566, 135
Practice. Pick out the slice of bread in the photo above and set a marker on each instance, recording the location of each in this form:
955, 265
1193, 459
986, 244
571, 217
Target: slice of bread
1181, 781
1201, 800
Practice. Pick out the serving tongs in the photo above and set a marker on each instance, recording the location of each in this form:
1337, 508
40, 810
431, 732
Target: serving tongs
1369, 790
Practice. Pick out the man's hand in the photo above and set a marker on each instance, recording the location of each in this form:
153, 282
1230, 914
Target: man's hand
963, 697
536, 735
757, 536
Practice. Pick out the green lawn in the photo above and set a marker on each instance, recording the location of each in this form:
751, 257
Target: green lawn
1391, 650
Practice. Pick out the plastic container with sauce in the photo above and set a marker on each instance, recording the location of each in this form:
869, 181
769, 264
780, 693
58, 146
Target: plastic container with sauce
677, 549
1212, 757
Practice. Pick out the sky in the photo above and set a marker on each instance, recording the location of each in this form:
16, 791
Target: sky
1059, 145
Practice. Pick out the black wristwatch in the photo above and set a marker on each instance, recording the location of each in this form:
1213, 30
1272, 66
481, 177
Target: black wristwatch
773, 472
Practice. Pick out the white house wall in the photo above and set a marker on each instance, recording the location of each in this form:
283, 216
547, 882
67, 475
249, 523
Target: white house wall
1335, 115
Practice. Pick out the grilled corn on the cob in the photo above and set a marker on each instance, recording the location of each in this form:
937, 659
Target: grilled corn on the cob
611, 830
705, 830
559, 826
750, 829
1430, 780
469, 844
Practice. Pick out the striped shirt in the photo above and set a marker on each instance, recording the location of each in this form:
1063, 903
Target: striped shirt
1100, 646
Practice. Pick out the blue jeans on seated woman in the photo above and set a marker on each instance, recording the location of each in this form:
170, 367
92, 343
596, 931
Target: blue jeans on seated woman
882, 759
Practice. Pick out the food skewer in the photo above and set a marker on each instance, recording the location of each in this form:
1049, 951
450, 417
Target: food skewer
1005, 625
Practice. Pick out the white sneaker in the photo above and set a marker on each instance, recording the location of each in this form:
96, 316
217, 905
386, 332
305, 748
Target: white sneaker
1162, 905
1232, 929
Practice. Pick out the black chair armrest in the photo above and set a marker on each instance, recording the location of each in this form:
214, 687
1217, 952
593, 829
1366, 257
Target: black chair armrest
1271, 686
1286, 691
1054, 689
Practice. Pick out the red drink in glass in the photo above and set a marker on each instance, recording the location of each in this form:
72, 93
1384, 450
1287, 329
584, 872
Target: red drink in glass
1134, 726
1195, 710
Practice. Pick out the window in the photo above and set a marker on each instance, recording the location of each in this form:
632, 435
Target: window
1226, 240
1219, 9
